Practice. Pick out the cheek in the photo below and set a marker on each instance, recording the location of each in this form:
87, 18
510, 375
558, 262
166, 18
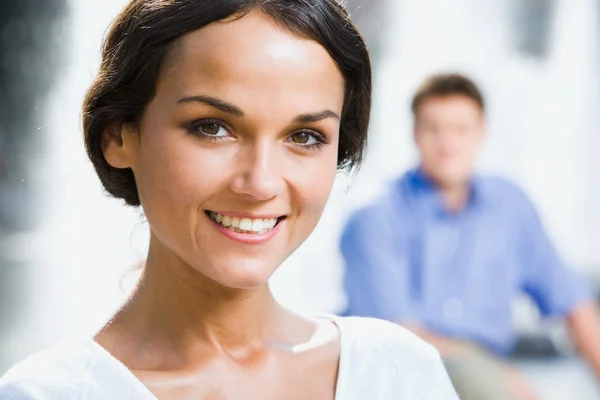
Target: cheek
470, 144
429, 146
312, 184
176, 176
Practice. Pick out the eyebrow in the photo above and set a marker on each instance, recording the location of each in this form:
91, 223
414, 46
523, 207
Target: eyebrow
215, 103
314, 117
237, 112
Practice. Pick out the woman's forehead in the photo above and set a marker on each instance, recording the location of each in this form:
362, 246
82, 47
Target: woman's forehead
251, 52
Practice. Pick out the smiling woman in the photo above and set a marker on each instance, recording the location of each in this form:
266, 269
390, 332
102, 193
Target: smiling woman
227, 121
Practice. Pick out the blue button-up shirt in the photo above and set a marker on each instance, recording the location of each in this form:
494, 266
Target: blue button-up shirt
410, 260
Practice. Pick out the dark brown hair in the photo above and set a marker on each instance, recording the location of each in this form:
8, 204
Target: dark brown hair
145, 33
443, 85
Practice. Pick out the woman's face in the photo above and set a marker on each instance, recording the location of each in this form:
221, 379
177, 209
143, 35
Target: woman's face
235, 156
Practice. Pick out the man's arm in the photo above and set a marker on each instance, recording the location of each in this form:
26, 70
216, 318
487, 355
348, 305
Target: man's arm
584, 326
451, 349
558, 290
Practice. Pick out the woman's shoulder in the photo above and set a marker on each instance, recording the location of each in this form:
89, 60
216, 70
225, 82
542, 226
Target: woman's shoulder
369, 334
64, 371
383, 360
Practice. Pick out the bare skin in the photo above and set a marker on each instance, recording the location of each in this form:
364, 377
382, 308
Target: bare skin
243, 128
448, 132
584, 327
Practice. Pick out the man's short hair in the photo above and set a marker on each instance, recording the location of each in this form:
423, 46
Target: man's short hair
443, 85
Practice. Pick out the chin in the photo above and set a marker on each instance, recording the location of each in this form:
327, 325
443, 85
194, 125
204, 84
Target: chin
242, 274
449, 176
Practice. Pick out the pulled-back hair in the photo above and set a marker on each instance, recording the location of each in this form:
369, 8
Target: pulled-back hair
145, 33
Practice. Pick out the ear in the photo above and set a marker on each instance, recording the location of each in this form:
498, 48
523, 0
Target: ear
482, 130
119, 142
415, 134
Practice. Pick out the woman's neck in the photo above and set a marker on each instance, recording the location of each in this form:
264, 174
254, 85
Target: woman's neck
197, 306
174, 307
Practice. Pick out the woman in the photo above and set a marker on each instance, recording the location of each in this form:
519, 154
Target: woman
226, 120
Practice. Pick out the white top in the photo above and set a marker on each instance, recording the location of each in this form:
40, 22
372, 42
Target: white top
379, 360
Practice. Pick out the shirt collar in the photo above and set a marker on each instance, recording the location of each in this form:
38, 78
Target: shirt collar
426, 189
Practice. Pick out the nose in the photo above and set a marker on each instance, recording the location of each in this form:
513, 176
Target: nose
447, 139
260, 175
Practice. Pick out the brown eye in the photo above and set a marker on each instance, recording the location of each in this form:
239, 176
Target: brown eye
300, 137
210, 129
307, 140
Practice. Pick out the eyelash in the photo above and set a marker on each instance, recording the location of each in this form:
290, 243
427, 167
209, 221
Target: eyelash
194, 128
321, 140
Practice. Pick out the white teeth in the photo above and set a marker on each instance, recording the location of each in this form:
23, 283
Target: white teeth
257, 225
246, 224
237, 224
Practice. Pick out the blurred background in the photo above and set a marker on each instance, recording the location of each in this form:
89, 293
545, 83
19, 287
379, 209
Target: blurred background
67, 250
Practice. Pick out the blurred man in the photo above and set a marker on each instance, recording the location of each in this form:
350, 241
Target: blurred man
445, 251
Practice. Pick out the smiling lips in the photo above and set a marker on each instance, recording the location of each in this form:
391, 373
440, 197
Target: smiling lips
246, 229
